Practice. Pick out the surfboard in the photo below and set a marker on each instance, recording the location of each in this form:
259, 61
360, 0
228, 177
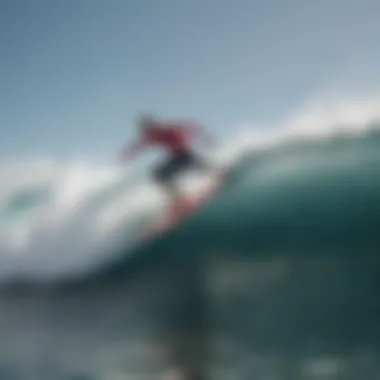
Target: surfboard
176, 214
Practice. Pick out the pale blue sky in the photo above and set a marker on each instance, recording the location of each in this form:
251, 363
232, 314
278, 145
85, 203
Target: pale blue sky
74, 73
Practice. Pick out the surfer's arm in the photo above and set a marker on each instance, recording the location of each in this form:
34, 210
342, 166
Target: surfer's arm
199, 132
131, 150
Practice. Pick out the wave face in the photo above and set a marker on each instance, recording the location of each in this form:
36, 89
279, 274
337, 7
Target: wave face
276, 277
66, 220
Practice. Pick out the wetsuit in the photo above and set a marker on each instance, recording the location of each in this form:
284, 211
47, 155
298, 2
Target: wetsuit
176, 138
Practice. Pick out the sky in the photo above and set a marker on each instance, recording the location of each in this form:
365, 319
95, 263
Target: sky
76, 73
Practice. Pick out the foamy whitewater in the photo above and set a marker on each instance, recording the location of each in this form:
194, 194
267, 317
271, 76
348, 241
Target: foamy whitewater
59, 219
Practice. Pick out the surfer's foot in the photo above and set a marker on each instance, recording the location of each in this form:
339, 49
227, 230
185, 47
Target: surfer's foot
178, 206
179, 203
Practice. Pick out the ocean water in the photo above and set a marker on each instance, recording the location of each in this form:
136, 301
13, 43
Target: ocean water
277, 277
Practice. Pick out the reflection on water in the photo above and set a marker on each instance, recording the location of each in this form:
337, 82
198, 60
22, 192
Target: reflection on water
215, 317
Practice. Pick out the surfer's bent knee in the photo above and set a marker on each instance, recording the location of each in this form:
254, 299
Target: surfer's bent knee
163, 179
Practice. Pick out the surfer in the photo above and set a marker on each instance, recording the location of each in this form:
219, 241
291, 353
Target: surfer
175, 137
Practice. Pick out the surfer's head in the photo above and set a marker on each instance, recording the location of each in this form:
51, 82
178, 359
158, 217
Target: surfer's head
146, 123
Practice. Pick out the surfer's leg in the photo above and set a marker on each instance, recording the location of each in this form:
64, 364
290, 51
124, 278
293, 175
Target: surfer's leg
204, 165
200, 163
165, 175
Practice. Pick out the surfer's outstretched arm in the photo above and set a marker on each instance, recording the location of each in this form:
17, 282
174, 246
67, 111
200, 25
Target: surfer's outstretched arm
131, 150
201, 133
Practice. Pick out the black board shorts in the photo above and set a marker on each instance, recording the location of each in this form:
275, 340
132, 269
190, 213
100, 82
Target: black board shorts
176, 163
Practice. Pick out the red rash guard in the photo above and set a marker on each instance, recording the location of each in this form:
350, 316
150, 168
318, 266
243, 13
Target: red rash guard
175, 137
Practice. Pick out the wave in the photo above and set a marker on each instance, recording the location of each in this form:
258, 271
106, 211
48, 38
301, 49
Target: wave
288, 190
314, 198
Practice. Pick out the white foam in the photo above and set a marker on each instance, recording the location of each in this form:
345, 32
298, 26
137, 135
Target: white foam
320, 119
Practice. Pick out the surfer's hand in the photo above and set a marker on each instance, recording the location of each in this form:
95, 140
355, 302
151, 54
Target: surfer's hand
131, 151
124, 156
